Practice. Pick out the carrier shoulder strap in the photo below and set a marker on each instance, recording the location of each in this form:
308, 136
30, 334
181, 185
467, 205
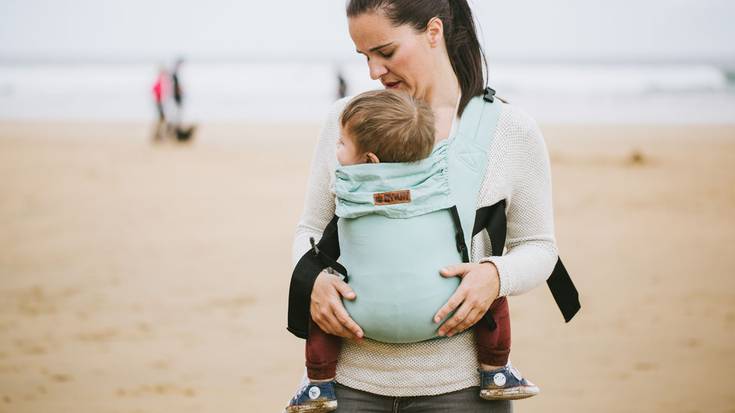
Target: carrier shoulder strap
321, 255
468, 157
493, 219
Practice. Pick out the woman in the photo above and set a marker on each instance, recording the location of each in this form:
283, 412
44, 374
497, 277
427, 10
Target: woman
429, 49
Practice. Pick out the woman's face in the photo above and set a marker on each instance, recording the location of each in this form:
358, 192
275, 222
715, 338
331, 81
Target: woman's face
398, 56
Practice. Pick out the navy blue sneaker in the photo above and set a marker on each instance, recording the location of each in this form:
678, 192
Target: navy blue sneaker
314, 398
505, 384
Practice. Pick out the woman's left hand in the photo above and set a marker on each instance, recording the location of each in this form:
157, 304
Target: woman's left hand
478, 289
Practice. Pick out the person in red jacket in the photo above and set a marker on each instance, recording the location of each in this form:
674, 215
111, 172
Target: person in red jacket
160, 92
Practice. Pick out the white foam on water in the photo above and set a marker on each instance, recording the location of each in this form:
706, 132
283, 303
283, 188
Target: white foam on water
295, 91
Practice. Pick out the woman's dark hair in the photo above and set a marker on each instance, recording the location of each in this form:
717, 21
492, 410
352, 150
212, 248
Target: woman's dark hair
460, 36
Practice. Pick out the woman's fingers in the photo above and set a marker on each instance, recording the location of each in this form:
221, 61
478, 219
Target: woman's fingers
327, 310
477, 290
457, 270
454, 301
459, 315
347, 324
338, 309
323, 296
472, 318
345, 290
330, 325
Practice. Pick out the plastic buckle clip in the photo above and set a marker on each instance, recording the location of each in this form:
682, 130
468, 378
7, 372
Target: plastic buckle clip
489, 95
313, 246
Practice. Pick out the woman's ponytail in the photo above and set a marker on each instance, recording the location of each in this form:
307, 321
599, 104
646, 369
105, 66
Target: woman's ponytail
465, 52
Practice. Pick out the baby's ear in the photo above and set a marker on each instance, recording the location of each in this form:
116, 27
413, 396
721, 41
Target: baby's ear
372, 158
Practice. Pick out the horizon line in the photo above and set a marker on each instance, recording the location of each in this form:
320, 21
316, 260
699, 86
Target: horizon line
720, 61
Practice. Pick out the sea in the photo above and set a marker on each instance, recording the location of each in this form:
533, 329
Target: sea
285, 90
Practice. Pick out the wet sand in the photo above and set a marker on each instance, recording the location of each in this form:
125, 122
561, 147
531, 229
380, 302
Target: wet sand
152, 278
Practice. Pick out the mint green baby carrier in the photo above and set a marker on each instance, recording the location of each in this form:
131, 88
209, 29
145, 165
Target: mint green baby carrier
400, 223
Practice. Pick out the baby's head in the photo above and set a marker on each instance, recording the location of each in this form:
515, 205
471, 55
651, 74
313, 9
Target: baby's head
385, 126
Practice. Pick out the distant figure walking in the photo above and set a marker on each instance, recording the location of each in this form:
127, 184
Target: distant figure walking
341, 85
160, 92
181, 133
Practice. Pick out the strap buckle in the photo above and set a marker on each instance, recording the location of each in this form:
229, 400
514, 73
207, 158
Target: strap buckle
313, 246
489, 95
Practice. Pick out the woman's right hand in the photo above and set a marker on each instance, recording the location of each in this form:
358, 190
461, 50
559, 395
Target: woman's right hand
326, 307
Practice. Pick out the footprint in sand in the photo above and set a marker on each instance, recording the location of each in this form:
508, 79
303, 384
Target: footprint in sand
30, 348
57, 377
162, 389
636, 158
233, 303
644, 366
622, 376
160, 365
35, 301
693, 342
60, 377
101, 335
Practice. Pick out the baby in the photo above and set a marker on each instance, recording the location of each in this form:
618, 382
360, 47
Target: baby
389, 126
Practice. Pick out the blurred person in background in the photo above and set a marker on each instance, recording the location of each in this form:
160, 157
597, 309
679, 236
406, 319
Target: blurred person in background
341, 85
160, 94
182, 133
176, 93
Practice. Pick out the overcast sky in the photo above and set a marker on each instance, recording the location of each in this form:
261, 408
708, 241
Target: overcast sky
516, 29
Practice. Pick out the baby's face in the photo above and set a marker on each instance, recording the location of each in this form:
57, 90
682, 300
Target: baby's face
347, 153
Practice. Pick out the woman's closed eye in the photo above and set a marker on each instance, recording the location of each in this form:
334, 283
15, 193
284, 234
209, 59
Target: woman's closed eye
384, 55
387, 54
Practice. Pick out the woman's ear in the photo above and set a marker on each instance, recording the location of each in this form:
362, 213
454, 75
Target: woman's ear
372, 158
435, 31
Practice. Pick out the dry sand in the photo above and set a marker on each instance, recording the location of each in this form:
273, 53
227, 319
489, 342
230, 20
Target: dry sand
142, 278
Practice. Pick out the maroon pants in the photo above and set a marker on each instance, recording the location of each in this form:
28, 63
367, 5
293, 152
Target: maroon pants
493, 346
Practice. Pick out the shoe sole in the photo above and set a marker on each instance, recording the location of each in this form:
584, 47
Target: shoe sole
514, 393
318, 407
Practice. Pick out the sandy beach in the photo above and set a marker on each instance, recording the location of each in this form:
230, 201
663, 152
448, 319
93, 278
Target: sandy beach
154, 278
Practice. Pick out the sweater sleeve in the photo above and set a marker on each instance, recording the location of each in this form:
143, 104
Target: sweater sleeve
319, 203
531, 251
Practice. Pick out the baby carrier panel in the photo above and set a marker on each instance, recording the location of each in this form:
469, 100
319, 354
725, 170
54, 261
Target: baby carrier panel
396, 277
396, 231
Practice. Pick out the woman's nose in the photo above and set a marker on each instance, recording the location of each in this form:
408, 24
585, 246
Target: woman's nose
376, 70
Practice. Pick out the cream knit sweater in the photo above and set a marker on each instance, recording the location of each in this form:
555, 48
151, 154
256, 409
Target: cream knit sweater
518, 171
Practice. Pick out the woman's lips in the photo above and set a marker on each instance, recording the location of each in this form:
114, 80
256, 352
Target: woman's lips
391, 85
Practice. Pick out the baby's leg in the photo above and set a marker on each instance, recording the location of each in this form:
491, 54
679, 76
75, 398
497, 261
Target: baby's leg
493, 346
498, 379
322, 350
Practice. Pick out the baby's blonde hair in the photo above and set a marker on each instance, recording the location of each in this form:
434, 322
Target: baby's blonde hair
393, 125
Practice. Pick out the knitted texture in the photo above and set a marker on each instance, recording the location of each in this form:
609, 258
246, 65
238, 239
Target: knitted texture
518, 171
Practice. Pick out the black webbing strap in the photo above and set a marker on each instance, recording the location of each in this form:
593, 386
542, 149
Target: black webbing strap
492, 218
329, 263
564, 292
459, 235
322, 255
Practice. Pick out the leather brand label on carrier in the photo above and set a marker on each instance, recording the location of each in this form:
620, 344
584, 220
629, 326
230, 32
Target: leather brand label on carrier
393, 197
